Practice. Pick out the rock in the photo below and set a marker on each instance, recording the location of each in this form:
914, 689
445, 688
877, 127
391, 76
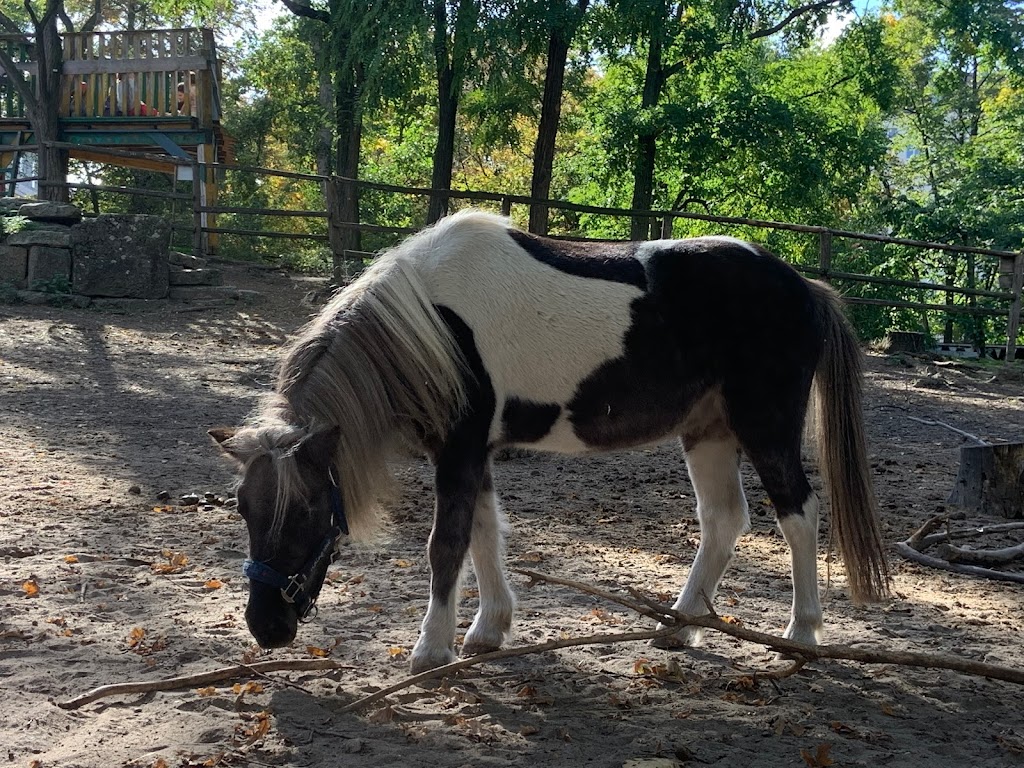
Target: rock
45, 210
34, 297
186, 260
50, 266
190, 499
121, 256
135, 490
13, 204
163, 496
125, 306
14, 266
190, 293
196, 277
54, 238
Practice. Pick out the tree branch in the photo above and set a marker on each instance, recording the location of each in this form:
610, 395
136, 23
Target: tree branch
793, 15
203, 678
8, 23
20, 82
307, 12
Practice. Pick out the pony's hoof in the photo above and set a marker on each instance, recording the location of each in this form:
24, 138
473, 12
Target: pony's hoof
686, 638
423, 662
476, 647
804, 633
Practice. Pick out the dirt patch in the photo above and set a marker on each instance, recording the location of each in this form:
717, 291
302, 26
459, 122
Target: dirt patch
103, 581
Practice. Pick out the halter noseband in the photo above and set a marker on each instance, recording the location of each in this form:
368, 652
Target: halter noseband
294, 588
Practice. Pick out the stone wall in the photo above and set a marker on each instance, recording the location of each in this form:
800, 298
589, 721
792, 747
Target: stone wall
59, 252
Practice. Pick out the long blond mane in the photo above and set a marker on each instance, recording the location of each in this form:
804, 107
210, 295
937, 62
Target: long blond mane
377, 362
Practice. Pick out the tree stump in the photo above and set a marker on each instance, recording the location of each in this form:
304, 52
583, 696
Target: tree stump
991, 480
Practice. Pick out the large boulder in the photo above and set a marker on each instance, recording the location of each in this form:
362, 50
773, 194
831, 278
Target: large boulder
121, 256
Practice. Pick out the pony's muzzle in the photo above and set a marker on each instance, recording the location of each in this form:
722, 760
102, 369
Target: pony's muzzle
272, 621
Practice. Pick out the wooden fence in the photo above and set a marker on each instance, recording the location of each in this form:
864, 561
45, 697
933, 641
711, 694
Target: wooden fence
1002, 303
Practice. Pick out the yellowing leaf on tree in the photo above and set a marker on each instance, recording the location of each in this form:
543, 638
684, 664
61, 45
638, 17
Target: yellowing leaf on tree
136, 636
820, 758
30, 588
71, 559
319, 653
213, 584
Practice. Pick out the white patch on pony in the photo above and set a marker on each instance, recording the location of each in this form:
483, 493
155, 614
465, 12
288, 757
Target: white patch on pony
534, 325
801, 533
646, 250
722, 511
487, 548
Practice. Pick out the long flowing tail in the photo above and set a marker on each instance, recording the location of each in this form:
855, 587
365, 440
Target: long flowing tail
843, 454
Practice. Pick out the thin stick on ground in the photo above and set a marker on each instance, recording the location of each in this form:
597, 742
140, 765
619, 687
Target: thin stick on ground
951, 428
203, 678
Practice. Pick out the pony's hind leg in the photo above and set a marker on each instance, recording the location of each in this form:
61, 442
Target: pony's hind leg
713, 465
796, 508
487, 548
459, 479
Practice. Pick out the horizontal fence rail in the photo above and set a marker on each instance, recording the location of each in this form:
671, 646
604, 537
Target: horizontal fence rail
205, 227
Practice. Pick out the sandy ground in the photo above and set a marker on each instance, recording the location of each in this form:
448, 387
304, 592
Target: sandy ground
102, 581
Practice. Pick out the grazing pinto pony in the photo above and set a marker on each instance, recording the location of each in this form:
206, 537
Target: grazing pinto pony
472, 335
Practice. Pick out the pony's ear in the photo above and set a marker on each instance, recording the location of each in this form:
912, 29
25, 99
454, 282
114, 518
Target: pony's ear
319, 448
222, 437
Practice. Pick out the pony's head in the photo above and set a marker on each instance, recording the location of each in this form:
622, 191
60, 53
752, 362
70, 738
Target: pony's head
292, 506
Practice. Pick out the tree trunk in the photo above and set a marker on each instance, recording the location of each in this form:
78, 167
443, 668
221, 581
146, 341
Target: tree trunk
991, 480
647, 139
346, 205
44, 114
444, 151
550, 116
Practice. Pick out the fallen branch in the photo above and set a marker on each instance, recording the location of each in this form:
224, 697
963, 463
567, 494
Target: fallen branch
803, 651
201, 679
508, 653
962, 534
914, 546
955, 554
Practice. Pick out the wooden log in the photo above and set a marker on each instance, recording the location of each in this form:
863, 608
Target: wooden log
991, 480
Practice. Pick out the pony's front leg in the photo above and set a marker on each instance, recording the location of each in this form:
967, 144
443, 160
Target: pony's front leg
487, 548
458, 481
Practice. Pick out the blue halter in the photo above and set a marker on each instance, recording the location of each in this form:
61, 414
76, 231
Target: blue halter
295, 588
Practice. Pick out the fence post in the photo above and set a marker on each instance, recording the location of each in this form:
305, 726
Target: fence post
506, 206
825, 253
1013, 325
666, 226
197, 204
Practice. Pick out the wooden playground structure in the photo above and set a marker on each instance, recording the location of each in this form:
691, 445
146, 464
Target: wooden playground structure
155, 93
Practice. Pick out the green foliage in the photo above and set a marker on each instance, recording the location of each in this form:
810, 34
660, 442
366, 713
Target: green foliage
11, 224
57, 285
